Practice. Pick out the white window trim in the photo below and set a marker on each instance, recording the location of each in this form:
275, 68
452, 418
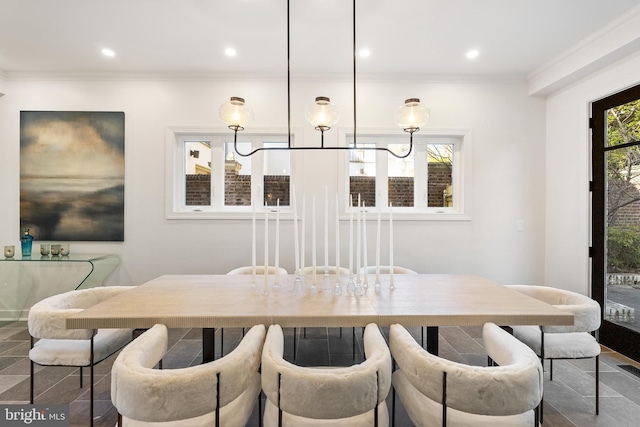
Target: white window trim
461, 181
174, 173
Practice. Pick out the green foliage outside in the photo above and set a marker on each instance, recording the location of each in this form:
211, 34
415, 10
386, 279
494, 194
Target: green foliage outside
623, 164
624, 249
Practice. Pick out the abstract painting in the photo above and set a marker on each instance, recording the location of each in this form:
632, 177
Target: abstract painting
72, 175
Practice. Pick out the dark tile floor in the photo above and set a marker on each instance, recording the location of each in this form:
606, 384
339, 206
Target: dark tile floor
569, 398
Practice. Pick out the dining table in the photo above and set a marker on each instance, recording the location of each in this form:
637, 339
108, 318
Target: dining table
223, 301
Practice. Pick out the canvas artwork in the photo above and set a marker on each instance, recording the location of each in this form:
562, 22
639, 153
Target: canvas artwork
72, 175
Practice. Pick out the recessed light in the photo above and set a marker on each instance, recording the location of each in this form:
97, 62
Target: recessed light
230, 52
364, 53
472, 54
108, 52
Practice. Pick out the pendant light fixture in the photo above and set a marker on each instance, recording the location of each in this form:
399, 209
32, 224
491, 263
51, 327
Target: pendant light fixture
322, 114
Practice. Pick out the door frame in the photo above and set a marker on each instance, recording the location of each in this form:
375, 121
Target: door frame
614, 336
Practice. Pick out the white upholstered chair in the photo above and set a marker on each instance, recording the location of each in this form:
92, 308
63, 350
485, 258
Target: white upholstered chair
386, 269
564, 342
259, 270
218, 393
331, 269
318, 396
436, 391
59, 346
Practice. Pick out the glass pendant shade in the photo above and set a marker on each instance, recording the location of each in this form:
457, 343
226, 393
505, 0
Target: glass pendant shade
235, 113
411, 115
322, 114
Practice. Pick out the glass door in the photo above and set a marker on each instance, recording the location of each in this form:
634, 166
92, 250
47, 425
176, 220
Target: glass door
616, 219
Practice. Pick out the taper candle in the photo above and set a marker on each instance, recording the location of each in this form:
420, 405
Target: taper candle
326, 229
378, 248
296, 243
350, 234
364, 242
266, 247
391, 244
253, 242
313, 237
302, 224
337, 240
358, 241
277, 254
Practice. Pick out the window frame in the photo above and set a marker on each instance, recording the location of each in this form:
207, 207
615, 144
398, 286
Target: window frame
461, 172
175, 137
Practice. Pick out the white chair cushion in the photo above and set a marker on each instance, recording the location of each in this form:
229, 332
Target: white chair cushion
328, 393
386, 269
331, 269
54, 352
510, 389
259, 270
234, 414
156, 396
47, 318
586, 311
424, 412
289, 420
573, 345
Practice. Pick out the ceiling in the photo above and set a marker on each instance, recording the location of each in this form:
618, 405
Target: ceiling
188, 37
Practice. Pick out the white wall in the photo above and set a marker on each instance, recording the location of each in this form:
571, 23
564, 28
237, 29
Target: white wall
508, 131
568, 173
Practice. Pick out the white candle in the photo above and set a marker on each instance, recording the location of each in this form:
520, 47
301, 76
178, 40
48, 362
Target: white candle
378, 248
364, 242
337, 240
296, 244
351, 234
313, 237
302, 223
358, 245
391, 244
266, 247
277, 255
326, 229
253, 242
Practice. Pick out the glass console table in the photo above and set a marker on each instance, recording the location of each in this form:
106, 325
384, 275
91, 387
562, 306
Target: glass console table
25, 281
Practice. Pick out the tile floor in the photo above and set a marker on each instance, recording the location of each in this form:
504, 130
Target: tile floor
569, 398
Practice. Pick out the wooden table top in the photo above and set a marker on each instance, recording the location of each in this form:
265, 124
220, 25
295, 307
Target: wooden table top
218, 301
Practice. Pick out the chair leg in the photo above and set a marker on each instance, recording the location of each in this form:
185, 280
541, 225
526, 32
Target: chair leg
31, 383
393, 407
221, 342
353, 341
550, 369
260, 409
119, 419
91, 388
81, 375
598, 385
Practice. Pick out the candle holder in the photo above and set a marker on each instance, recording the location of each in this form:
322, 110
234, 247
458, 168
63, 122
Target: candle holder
326, 282
298, 284
337, 289
351, 286
9, 251
358, 291
44, 249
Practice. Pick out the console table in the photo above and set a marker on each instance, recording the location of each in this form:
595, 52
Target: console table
25, 281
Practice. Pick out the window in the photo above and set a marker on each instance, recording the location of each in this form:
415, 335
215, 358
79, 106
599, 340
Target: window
432, 182
206, 178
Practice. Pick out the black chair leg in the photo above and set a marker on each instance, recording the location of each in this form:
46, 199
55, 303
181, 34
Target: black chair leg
598, 385
91, 388
31, 383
